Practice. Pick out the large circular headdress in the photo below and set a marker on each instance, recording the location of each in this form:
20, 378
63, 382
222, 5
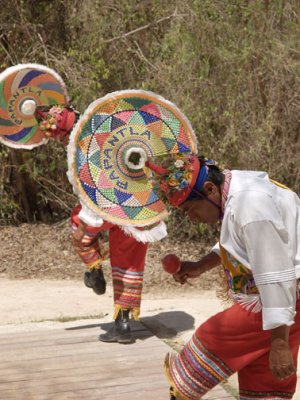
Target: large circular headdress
23, 88
108, 149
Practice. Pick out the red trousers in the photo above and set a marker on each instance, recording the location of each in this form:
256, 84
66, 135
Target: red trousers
127, 258
231, 341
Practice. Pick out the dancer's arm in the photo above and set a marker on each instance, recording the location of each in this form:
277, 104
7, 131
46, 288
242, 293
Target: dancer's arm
190, 269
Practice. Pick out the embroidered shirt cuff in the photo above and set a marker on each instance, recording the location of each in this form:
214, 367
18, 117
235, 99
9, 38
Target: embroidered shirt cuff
274, 317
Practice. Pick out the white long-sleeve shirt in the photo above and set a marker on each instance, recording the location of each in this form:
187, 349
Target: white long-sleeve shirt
261, 229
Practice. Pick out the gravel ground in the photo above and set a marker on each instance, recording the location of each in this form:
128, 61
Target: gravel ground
43, 251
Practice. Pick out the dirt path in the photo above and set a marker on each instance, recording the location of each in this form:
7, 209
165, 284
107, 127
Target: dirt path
45, 252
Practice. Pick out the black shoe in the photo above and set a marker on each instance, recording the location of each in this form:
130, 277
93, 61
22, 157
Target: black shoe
120, 332
95, 280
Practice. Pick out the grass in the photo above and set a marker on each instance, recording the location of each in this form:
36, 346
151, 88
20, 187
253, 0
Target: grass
66, 318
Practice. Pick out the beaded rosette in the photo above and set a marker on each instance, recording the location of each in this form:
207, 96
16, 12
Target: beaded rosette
177, 175
24, 88
109, 147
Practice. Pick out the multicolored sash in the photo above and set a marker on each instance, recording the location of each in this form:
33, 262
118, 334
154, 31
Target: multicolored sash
239, 278
241, 285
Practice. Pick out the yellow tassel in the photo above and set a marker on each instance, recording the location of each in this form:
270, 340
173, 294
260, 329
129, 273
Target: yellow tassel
95, 265
173, 390
223, 290
117, 308
134, 312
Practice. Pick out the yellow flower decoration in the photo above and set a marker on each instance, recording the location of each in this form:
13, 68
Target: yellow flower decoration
173, 182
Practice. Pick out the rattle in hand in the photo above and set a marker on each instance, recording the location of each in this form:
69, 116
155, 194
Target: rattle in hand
171, 264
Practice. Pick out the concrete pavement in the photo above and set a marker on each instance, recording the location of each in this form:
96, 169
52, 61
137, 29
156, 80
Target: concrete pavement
27, 305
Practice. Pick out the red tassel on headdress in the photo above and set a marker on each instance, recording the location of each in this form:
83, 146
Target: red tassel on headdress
158, 169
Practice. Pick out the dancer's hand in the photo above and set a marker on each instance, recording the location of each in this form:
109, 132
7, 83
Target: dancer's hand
280, 359
188, 269
191, 269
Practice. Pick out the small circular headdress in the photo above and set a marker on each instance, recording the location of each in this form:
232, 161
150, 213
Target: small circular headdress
109, 147
23, 89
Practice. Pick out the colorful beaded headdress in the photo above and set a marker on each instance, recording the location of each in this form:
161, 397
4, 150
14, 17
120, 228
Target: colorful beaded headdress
23, 89
109, 147
176, 176
57, 121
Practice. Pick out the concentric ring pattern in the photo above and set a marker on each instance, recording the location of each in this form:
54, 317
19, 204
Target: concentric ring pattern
23, 88
112, 126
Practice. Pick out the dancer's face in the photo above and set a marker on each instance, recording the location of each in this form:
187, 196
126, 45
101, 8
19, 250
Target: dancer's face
202, 210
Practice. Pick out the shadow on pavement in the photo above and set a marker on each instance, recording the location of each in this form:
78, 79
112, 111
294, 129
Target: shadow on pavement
75, 328
164, 325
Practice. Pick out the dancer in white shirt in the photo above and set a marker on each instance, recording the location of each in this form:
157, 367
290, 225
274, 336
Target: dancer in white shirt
258, 337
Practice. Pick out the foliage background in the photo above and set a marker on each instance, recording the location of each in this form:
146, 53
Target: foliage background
233, 67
